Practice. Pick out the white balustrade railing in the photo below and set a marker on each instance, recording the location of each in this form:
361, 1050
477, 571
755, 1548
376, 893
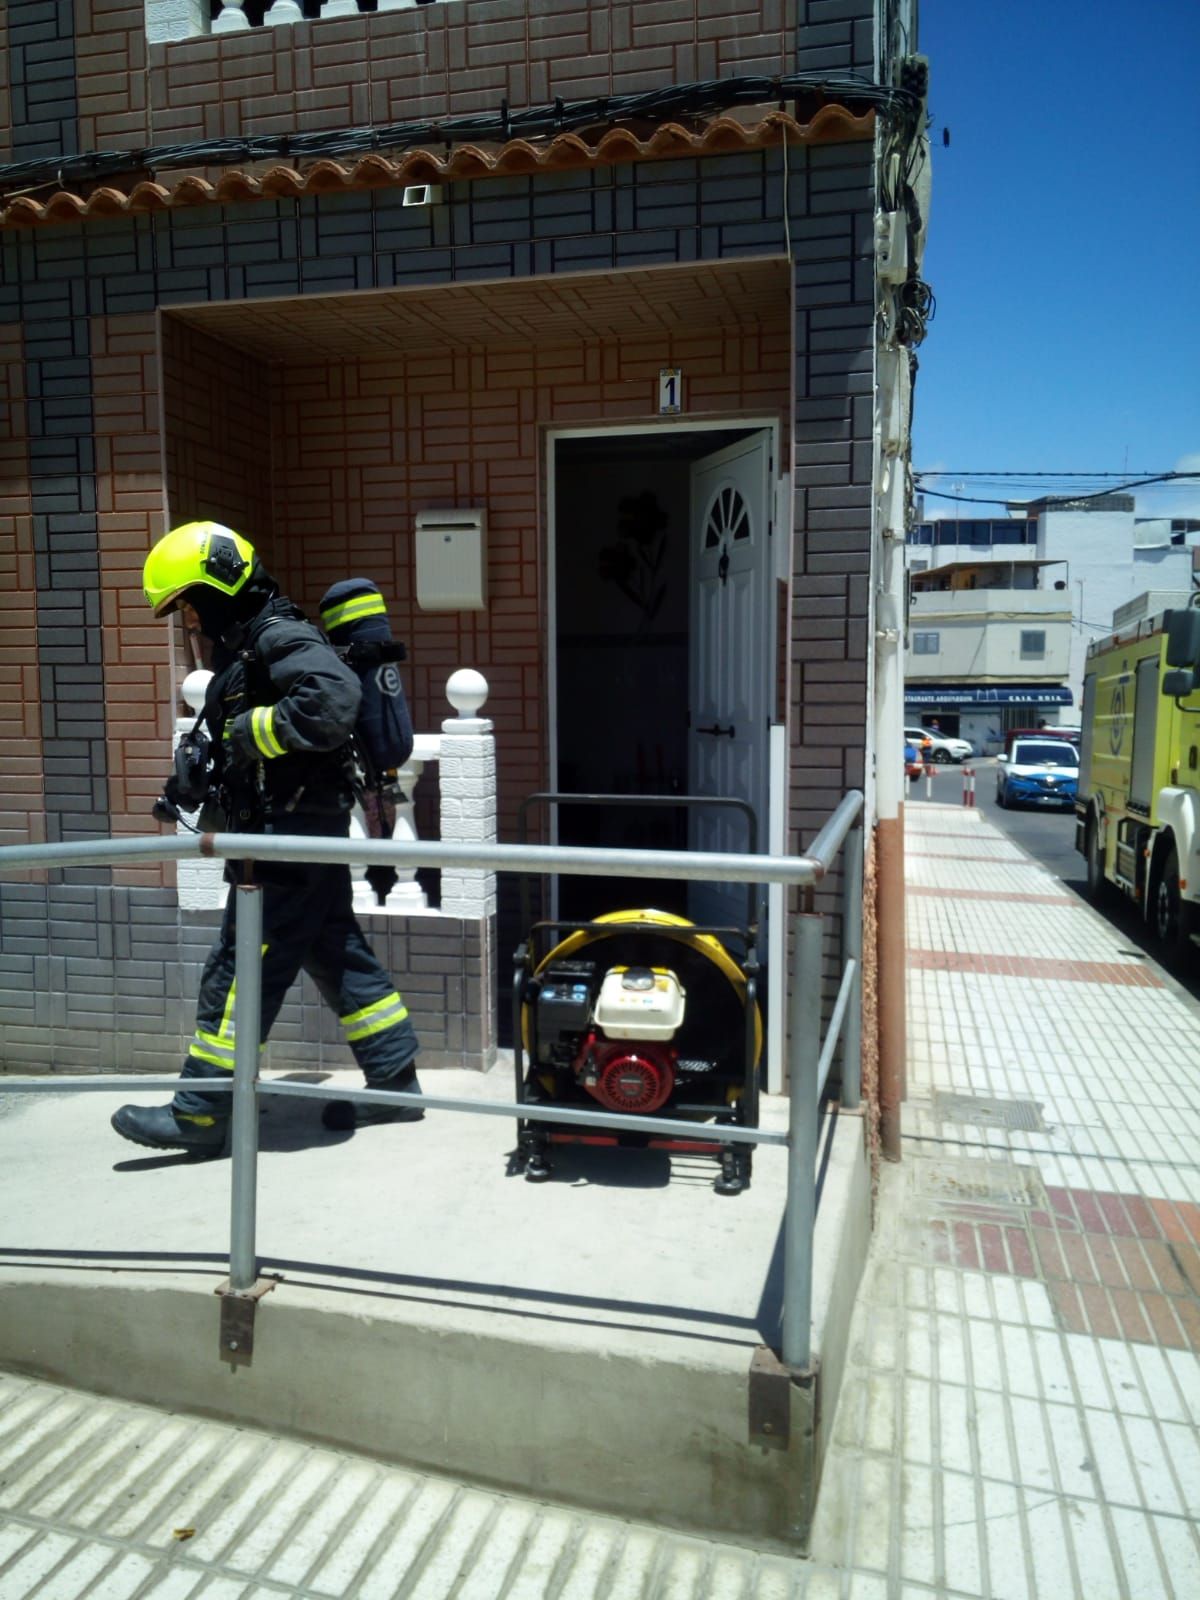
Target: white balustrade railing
465, 750
170, 20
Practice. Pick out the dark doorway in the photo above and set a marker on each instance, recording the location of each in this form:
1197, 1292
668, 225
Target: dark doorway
622, 573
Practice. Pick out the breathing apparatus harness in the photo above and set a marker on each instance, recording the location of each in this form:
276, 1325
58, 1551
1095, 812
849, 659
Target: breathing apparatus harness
233, 793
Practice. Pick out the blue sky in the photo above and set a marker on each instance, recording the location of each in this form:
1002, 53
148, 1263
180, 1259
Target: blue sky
1064, 242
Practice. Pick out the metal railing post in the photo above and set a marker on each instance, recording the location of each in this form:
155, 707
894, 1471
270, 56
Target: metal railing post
247, 1024
852, 948
804, 1020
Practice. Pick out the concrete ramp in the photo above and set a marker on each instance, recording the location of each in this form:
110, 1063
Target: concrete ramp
588, 1341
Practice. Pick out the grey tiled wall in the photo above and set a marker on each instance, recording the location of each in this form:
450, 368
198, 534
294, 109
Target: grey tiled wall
104, 980
41, 70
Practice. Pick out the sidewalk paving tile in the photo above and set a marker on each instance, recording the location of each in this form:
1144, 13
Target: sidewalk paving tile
1023, 1381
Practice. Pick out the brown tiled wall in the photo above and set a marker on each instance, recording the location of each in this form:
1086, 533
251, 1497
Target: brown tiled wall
23, 816
129, 497
200, 449
217, 433
360, 448
110, 62
430, 61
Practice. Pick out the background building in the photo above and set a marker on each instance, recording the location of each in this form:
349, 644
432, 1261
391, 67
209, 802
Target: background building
1113, 556
1086, 559
988, 648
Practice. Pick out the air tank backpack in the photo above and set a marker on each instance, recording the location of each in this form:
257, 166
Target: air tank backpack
354, 616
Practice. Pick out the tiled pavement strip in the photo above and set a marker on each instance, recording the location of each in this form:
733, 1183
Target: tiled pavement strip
1020, 1410
1021, 1406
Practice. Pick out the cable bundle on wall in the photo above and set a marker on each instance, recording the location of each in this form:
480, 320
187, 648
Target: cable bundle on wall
674, 102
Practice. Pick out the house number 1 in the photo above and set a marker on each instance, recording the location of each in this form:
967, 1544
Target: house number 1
670, 391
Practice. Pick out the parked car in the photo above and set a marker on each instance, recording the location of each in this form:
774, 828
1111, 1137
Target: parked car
941, 747
1038, 772
1072, 735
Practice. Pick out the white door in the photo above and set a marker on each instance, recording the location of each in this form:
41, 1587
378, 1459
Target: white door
731, 653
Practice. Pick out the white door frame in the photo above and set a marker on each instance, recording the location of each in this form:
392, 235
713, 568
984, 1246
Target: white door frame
779, 509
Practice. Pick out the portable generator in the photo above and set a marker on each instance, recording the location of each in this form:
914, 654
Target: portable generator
643, 1013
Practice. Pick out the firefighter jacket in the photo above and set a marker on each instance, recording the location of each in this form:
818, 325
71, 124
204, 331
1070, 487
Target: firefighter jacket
281, 712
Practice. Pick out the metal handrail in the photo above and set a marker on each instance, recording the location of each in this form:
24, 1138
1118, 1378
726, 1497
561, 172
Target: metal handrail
709, 866
810, 1056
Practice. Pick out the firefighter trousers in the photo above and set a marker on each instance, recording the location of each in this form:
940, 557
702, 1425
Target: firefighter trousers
308, 925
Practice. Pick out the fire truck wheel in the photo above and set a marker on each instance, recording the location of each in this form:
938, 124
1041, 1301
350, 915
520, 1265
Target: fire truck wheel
1171, 917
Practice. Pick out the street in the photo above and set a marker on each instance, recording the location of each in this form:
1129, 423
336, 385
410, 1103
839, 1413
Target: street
1048, 836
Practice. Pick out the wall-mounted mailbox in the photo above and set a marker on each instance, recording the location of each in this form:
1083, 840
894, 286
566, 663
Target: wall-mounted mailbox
452, 560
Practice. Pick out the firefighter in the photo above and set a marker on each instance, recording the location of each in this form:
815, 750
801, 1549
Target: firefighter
280, 710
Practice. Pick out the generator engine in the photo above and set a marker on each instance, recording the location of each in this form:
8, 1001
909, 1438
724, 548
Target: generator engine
644, 1015
614, 1032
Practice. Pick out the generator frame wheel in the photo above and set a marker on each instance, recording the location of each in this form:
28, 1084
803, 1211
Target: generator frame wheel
735, 1171
537, 1166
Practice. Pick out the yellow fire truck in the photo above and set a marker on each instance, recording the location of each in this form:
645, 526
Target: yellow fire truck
1137, 812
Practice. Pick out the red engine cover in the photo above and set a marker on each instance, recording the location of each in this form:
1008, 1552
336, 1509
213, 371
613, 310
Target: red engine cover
631, 1077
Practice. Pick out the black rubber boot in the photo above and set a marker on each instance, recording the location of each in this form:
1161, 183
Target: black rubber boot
158, 1128
339, 1116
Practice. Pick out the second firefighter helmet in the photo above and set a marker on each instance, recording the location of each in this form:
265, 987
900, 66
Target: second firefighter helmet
207, 554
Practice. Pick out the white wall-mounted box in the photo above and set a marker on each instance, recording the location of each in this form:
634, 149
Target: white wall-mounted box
452, 560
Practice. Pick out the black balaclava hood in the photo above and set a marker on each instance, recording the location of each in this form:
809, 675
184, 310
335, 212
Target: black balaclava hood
223, 617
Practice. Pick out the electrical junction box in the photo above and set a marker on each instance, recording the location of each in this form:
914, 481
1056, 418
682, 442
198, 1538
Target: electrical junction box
891, 246
451, 560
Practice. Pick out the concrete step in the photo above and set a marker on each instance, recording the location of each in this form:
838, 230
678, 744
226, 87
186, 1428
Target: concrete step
104, 1499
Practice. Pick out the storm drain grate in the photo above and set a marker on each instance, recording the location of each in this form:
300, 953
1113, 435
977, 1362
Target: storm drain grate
956, 1181
985, 1111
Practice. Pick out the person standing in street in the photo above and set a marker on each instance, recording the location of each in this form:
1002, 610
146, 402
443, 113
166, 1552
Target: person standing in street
280, 711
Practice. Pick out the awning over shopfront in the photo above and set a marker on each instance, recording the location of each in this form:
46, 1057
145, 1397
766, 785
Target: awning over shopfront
964, 696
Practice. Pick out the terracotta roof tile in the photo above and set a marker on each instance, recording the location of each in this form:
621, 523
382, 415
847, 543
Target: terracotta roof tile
830, 125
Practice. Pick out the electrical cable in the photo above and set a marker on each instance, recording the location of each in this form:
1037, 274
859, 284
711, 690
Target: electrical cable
917, 308
1069, 499
948, 472
1019, 490
900, 108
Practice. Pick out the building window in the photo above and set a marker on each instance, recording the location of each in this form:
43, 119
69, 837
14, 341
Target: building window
926, 644
1033, 644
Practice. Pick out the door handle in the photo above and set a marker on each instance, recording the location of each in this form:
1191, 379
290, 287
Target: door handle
718, 730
